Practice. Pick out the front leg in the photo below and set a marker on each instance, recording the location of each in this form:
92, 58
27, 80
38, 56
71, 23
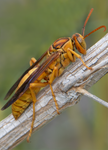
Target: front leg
70, 51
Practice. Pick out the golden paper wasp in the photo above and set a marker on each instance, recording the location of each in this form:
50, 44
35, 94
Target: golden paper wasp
58, 57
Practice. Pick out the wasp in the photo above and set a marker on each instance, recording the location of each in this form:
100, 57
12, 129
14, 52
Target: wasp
57, 58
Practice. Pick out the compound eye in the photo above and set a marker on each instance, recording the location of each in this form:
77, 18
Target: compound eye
81, 41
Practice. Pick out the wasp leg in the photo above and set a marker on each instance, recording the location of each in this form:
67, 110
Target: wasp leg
71, 57
32, 61
34, 85
55, 71
78, 56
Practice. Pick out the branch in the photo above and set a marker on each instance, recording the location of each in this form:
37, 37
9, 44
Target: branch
66, 89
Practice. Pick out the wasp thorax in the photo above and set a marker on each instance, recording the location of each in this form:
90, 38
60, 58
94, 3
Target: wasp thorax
79, 42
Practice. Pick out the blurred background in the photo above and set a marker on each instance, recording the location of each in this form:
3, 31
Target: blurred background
27, 29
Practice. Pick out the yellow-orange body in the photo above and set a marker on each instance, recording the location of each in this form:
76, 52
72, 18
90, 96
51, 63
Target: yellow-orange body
49, 75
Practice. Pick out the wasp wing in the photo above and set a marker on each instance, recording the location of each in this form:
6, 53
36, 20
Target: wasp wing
31, 79
11, 90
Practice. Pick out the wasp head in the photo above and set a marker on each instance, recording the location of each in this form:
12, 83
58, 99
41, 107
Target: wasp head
79, 43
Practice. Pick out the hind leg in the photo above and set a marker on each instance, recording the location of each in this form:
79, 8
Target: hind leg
38, 86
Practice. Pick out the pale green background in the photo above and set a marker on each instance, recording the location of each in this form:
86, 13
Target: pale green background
27, 29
